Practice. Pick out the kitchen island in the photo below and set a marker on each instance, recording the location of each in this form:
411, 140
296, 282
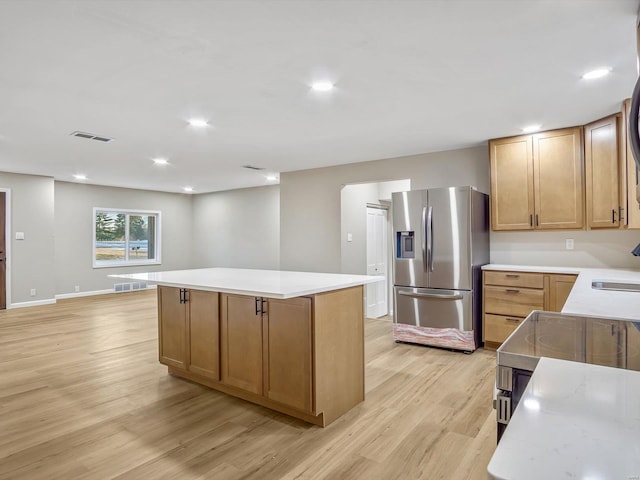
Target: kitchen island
289, 341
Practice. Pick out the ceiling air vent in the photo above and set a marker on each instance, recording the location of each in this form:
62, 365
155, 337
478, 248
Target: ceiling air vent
252, 167
91, 136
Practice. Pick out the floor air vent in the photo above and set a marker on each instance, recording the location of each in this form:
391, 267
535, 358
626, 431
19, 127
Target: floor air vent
91, 136
128, 287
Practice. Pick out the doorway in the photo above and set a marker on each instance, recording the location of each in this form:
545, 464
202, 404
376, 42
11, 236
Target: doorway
377, 263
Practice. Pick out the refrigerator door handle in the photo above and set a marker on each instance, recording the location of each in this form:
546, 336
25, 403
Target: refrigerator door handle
430, 252
455, 296
425, 240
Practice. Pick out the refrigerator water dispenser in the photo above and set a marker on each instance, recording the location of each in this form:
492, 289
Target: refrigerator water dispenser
405, 245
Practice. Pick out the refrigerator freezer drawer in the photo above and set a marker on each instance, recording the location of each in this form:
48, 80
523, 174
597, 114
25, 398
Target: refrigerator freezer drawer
435, 308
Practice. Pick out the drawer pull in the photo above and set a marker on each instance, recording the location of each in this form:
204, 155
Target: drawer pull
512, 275
512, 290
512, 319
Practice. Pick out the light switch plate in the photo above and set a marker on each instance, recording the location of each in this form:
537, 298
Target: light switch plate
349, 237
19, 235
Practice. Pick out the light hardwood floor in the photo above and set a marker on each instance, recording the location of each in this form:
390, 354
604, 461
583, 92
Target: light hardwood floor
82, 395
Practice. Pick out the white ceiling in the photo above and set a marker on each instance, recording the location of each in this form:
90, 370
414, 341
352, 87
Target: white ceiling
411, 77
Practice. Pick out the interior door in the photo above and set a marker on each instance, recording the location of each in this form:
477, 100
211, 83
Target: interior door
3, 255
377, 304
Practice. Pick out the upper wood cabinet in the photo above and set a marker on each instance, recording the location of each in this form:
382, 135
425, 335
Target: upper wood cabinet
537, 181
512, 205
603, 164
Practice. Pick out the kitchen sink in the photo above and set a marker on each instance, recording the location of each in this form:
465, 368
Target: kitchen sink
617, 286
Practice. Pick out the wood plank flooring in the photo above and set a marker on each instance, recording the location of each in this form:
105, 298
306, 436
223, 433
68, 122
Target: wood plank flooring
82, 396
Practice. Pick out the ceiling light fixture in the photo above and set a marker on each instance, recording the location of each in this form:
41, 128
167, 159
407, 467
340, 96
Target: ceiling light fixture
322, 86
531, 128
597, 73
80, 176
198, 123
272, 178
188, 189
160, 161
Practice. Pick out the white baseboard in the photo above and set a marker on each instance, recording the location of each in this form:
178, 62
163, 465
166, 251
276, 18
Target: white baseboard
34, 303
61, 296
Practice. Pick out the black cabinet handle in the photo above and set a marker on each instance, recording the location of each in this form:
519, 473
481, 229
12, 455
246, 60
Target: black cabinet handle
183, 295
258, 309
537, 222
262, 306
531, 220
613, 215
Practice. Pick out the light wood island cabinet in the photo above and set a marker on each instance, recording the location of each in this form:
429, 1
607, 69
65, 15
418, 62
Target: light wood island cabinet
537, 181
508, 297
302, 356
188, 330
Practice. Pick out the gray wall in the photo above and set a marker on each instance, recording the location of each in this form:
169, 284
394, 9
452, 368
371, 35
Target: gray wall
237, 228
310, 221
32, 259
74, 205
594, 248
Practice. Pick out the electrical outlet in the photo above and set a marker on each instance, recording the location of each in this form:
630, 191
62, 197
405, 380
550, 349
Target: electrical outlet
33, 292
77, 288
568, 243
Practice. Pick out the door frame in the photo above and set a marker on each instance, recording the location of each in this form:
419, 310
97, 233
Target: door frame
389, 258
8, 242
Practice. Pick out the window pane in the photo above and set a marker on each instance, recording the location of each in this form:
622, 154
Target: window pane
110, 242
141, 237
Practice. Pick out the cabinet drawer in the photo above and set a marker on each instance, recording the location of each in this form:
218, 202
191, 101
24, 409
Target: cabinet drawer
514, 279
512, 301
498, 327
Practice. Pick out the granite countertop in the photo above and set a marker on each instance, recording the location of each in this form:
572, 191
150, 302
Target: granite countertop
574, 420
583, 299
259, 283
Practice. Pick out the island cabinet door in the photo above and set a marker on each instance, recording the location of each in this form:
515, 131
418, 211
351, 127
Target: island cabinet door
287, 348
241, 342
204, 338
172, 327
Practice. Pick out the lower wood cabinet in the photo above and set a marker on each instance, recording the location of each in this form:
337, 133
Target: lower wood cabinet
266, 348
301, 356
241, 346
188, 330
508, 297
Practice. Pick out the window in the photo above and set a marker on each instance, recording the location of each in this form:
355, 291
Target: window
125, 237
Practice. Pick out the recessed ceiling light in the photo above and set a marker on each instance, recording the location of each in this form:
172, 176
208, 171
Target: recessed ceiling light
198, 122
597, 73
322, 86
531, 128
188, 189
80, 176
160, 161
272, 178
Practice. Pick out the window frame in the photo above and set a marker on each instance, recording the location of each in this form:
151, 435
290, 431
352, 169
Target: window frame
127, 262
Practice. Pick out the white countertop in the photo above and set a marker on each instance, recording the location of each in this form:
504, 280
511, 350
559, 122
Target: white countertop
585, 300
574, 420
259, 283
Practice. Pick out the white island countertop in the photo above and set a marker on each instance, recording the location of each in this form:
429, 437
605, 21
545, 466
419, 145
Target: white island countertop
258, 283
574, 420
585, 300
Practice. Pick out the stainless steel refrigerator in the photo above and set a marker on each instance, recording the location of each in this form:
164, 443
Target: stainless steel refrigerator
441, 240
